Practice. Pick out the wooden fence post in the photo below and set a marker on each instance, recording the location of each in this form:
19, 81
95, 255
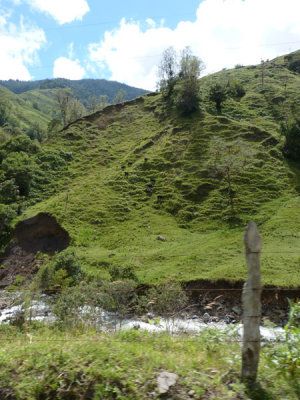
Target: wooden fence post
251, 306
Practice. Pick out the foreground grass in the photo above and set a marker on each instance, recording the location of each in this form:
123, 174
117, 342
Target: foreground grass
47, 363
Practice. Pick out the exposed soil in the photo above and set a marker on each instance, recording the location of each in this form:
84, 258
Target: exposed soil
223, 299
41, 233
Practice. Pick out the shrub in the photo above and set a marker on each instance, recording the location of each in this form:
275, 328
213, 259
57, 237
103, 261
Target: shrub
217, 93
75, 306
7, 214
236, 89
118, 296
17, 144
167, 299
19, 167
124, 272
187, 96
64, 269
36, 132
9, 192
291, 131
286, 356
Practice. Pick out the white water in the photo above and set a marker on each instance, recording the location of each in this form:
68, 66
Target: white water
39, 310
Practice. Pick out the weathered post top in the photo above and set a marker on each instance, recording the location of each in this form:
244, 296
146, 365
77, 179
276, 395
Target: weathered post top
252, 238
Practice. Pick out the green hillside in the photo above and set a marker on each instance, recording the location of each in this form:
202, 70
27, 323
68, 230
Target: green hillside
145, 186
22, 112
30, 106
82, 89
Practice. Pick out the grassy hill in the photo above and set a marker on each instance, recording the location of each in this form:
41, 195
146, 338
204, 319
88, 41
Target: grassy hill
82, 89
30, 105
144, 187
22, 110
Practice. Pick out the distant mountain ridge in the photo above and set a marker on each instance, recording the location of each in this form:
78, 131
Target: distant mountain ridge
82, 89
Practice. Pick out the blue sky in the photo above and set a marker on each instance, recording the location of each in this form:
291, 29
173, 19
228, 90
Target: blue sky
123, 39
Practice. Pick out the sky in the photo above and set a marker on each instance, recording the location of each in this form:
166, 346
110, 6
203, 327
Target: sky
123, 40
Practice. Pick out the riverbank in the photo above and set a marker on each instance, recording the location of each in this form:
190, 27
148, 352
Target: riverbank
207, 302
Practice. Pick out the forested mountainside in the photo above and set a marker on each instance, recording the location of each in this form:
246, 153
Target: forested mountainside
82, 89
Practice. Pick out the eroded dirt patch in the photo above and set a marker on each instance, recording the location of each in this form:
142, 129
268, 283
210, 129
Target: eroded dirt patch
40, 233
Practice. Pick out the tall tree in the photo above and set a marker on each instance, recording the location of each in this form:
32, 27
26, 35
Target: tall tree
187, 97
229, 161
76, 110
69, 107
97, 103
63, 98
120, 96
190, 65
167, 69
179, 79
218, 94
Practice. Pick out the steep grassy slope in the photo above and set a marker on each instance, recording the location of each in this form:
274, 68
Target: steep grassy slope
23, 112
140, 171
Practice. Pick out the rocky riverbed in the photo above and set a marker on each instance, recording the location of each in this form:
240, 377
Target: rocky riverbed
215, 316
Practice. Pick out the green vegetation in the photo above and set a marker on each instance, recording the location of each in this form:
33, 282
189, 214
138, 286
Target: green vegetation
64, 269
139, 170
179, 79
154, 193
38, 361
218, 94
291, 131
27, 170
32, 107
82, 89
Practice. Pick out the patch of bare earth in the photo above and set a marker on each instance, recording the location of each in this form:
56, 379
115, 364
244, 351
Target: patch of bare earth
41, 233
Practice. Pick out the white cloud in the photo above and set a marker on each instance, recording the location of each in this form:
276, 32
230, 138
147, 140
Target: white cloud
225, 33
63, 11
19, 46
69, 69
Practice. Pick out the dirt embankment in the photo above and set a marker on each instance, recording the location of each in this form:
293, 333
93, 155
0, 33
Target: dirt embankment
222, 300
41, 233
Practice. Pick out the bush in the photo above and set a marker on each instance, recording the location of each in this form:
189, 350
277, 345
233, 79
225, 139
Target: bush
217, 93
64, 269
77, 305
286, 356
9, 192
120, 273
291, 131
19, 167
118, 296
7, 214
293, 62
236, 89
36, 132
167, 300
187, 96
21, 143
